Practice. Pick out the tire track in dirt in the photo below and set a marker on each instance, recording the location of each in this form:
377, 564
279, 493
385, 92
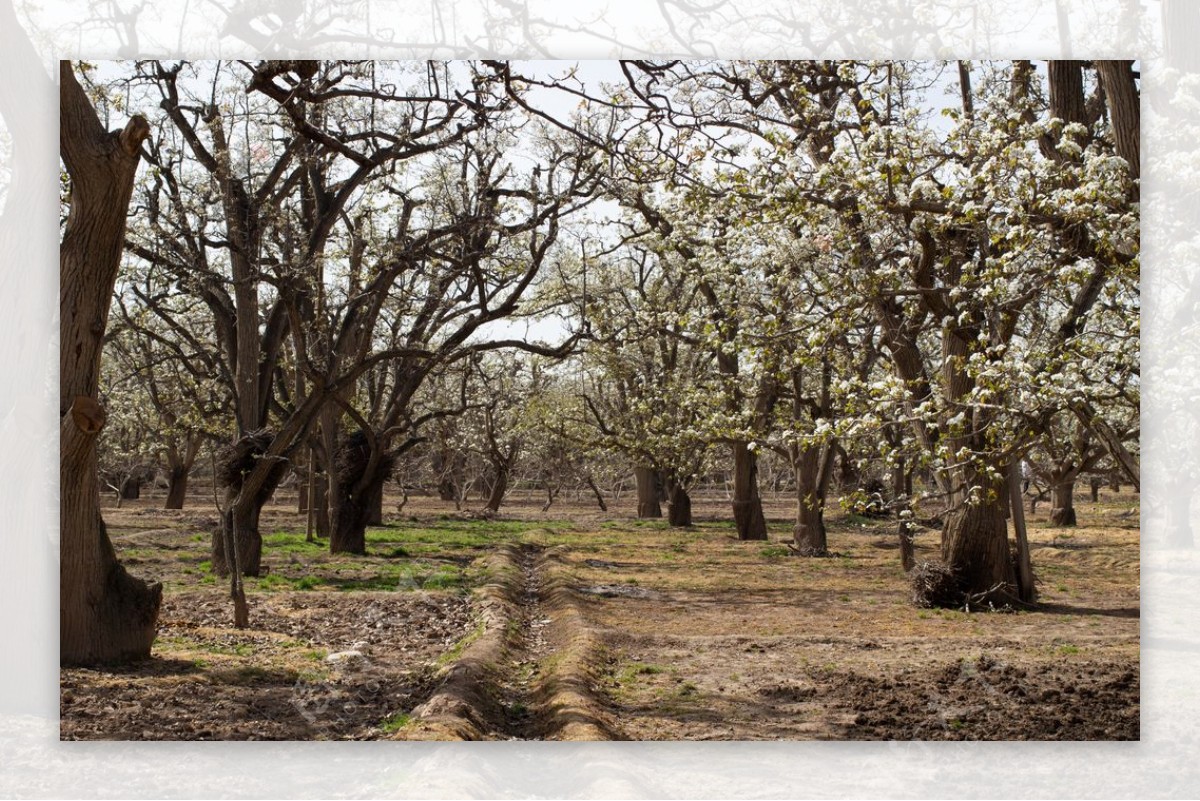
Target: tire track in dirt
527, 672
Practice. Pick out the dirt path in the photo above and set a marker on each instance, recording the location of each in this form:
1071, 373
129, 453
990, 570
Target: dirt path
528, 649
528, 673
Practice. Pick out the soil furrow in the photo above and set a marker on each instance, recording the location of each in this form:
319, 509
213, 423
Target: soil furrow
528, 674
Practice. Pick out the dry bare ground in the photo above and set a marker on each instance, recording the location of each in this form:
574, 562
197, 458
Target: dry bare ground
578, 625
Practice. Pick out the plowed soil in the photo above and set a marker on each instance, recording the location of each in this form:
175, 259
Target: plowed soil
703, 637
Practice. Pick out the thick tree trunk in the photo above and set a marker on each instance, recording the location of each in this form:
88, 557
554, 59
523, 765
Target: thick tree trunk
809, 532
351, 514
131, 488
356, 480
250, 476
449, 469
177, 484
647, 492
975, 548
375, 505
679, 506
1124, 105
1062, 502
499, 488
240, 516
747, 505
179, 467
105, 615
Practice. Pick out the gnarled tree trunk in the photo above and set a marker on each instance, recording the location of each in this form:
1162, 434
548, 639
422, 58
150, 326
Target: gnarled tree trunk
679, 504
499, 487
250, 477
349, 517
813, 467
177, 484
355, 490
975, 547
106, 615
179, 467
747, 505
131, 488
375, 502
1062, 502
647, 492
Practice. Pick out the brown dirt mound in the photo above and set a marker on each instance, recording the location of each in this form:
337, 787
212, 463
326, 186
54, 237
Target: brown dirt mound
986, 699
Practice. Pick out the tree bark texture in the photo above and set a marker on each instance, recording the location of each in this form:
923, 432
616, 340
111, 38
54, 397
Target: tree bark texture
1062, 502
131, 488
649, 505
250, 476
679, 506
813, 467
106, 615
177, 484
356, 491
1124, 108
747, 505
975, 547
499, 488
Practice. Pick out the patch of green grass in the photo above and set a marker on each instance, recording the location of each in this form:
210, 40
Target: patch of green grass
632, 671
205, 566
457, 649
199, 537
1067, 649
238, 649
292, 542
394, 723
774, 552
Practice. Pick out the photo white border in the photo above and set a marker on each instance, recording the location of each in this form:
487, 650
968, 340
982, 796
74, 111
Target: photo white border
33, 763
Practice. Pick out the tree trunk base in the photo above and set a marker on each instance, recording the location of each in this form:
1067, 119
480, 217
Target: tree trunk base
749, 520
976, 551
176, 491
1063, 517
117, 627
649, 506
679, 509
249, 540
810, 536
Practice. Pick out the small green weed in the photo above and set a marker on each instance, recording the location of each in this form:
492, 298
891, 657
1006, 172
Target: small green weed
394, 723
